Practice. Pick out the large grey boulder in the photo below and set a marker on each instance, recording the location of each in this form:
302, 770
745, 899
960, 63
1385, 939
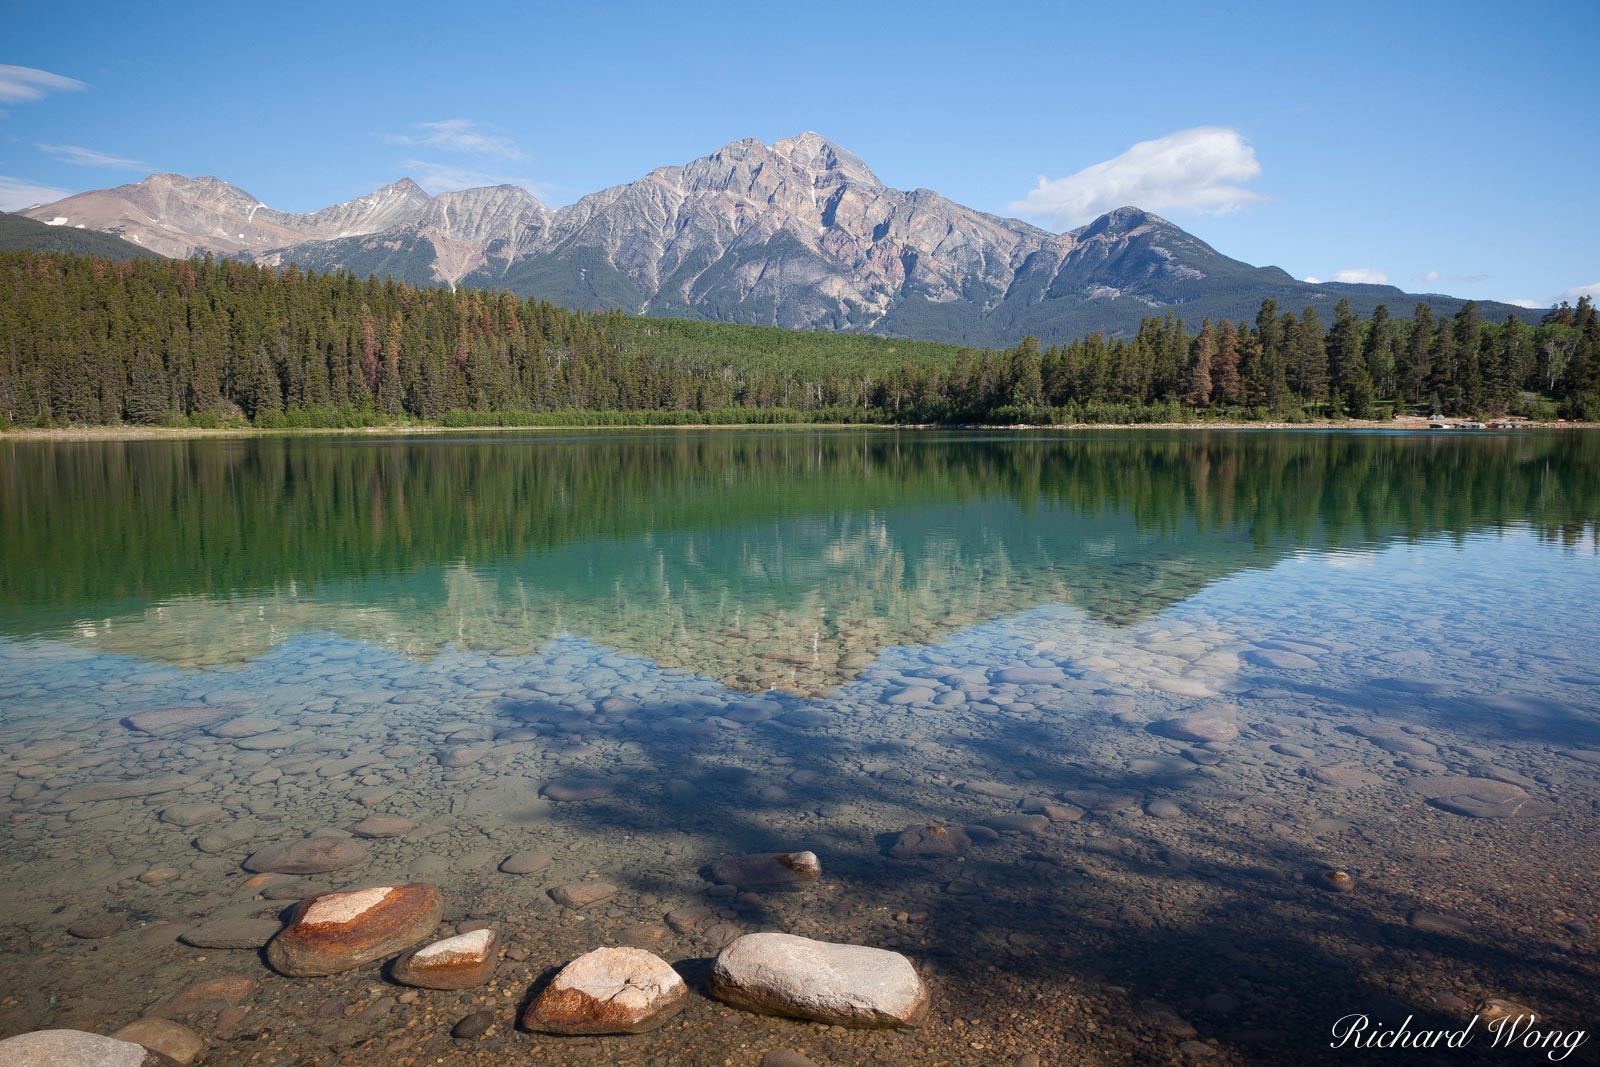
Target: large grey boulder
74, 1048
847, 985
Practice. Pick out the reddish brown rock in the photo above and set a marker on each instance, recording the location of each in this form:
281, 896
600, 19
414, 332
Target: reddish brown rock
311, 855
459, 962
609, 991
335, 932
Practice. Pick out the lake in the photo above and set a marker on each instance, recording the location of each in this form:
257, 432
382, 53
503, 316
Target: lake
1227, 735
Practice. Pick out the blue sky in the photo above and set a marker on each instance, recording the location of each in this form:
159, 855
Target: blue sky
1445, 147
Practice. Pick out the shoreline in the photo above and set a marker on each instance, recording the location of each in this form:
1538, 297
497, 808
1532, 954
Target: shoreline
156, 433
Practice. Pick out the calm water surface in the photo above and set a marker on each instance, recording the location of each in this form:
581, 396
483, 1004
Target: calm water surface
817, 640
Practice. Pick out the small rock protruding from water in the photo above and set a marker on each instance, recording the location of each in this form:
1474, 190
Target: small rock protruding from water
1494, 1010
930, 842
1333, 880
458, 962
769, 872
340, 931
847, 985
609, 991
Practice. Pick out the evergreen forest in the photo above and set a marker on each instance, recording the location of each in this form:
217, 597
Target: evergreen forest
215, 342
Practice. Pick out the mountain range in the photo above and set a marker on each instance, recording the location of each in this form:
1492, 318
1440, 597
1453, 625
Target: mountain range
799, 233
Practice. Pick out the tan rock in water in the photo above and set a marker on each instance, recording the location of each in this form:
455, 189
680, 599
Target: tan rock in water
848, 985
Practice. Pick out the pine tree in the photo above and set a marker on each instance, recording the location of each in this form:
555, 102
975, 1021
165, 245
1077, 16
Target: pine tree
146, 401
1201, 353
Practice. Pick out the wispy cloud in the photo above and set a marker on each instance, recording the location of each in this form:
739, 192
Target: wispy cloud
1196, 171
447, 177
1572, 295
1431, 276
21, 84
458, 135
88, 157
1355, 276
19, 193
1526, 303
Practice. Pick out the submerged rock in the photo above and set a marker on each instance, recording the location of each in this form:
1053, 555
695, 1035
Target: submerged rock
1215, 724
172, 1039
848, 985
383, 826
582, 894
525, 862
769, 872
575, 789
609, 991
338, 931
1478, 798
311, 855
192, 814
232, 933
171, 720
459, 962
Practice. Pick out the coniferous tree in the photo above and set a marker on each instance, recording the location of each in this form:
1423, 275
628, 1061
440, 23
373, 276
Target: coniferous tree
1225, 366
1201, 353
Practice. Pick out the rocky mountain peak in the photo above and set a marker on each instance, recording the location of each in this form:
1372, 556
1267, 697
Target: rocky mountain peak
815, 153
797, 233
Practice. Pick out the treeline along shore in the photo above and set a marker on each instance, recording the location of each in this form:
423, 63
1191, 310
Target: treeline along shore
202, 343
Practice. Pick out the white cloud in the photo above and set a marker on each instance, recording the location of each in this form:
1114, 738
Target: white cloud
17, 194
1362, 276
1526, 303
1194, 171
88, 157
458, 135
1572, 295
18, 84
1431, 276
1313, 281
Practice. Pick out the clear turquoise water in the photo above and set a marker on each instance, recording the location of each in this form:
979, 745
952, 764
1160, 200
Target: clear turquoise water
798, 639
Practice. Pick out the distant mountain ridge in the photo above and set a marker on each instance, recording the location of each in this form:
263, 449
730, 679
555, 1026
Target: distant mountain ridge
799, 234
18, 233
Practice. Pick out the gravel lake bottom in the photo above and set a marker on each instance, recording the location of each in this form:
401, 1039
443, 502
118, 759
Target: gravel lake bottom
1141, 749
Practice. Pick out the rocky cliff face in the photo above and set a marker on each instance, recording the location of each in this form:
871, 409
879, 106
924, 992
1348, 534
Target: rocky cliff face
178, 216
799, 233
